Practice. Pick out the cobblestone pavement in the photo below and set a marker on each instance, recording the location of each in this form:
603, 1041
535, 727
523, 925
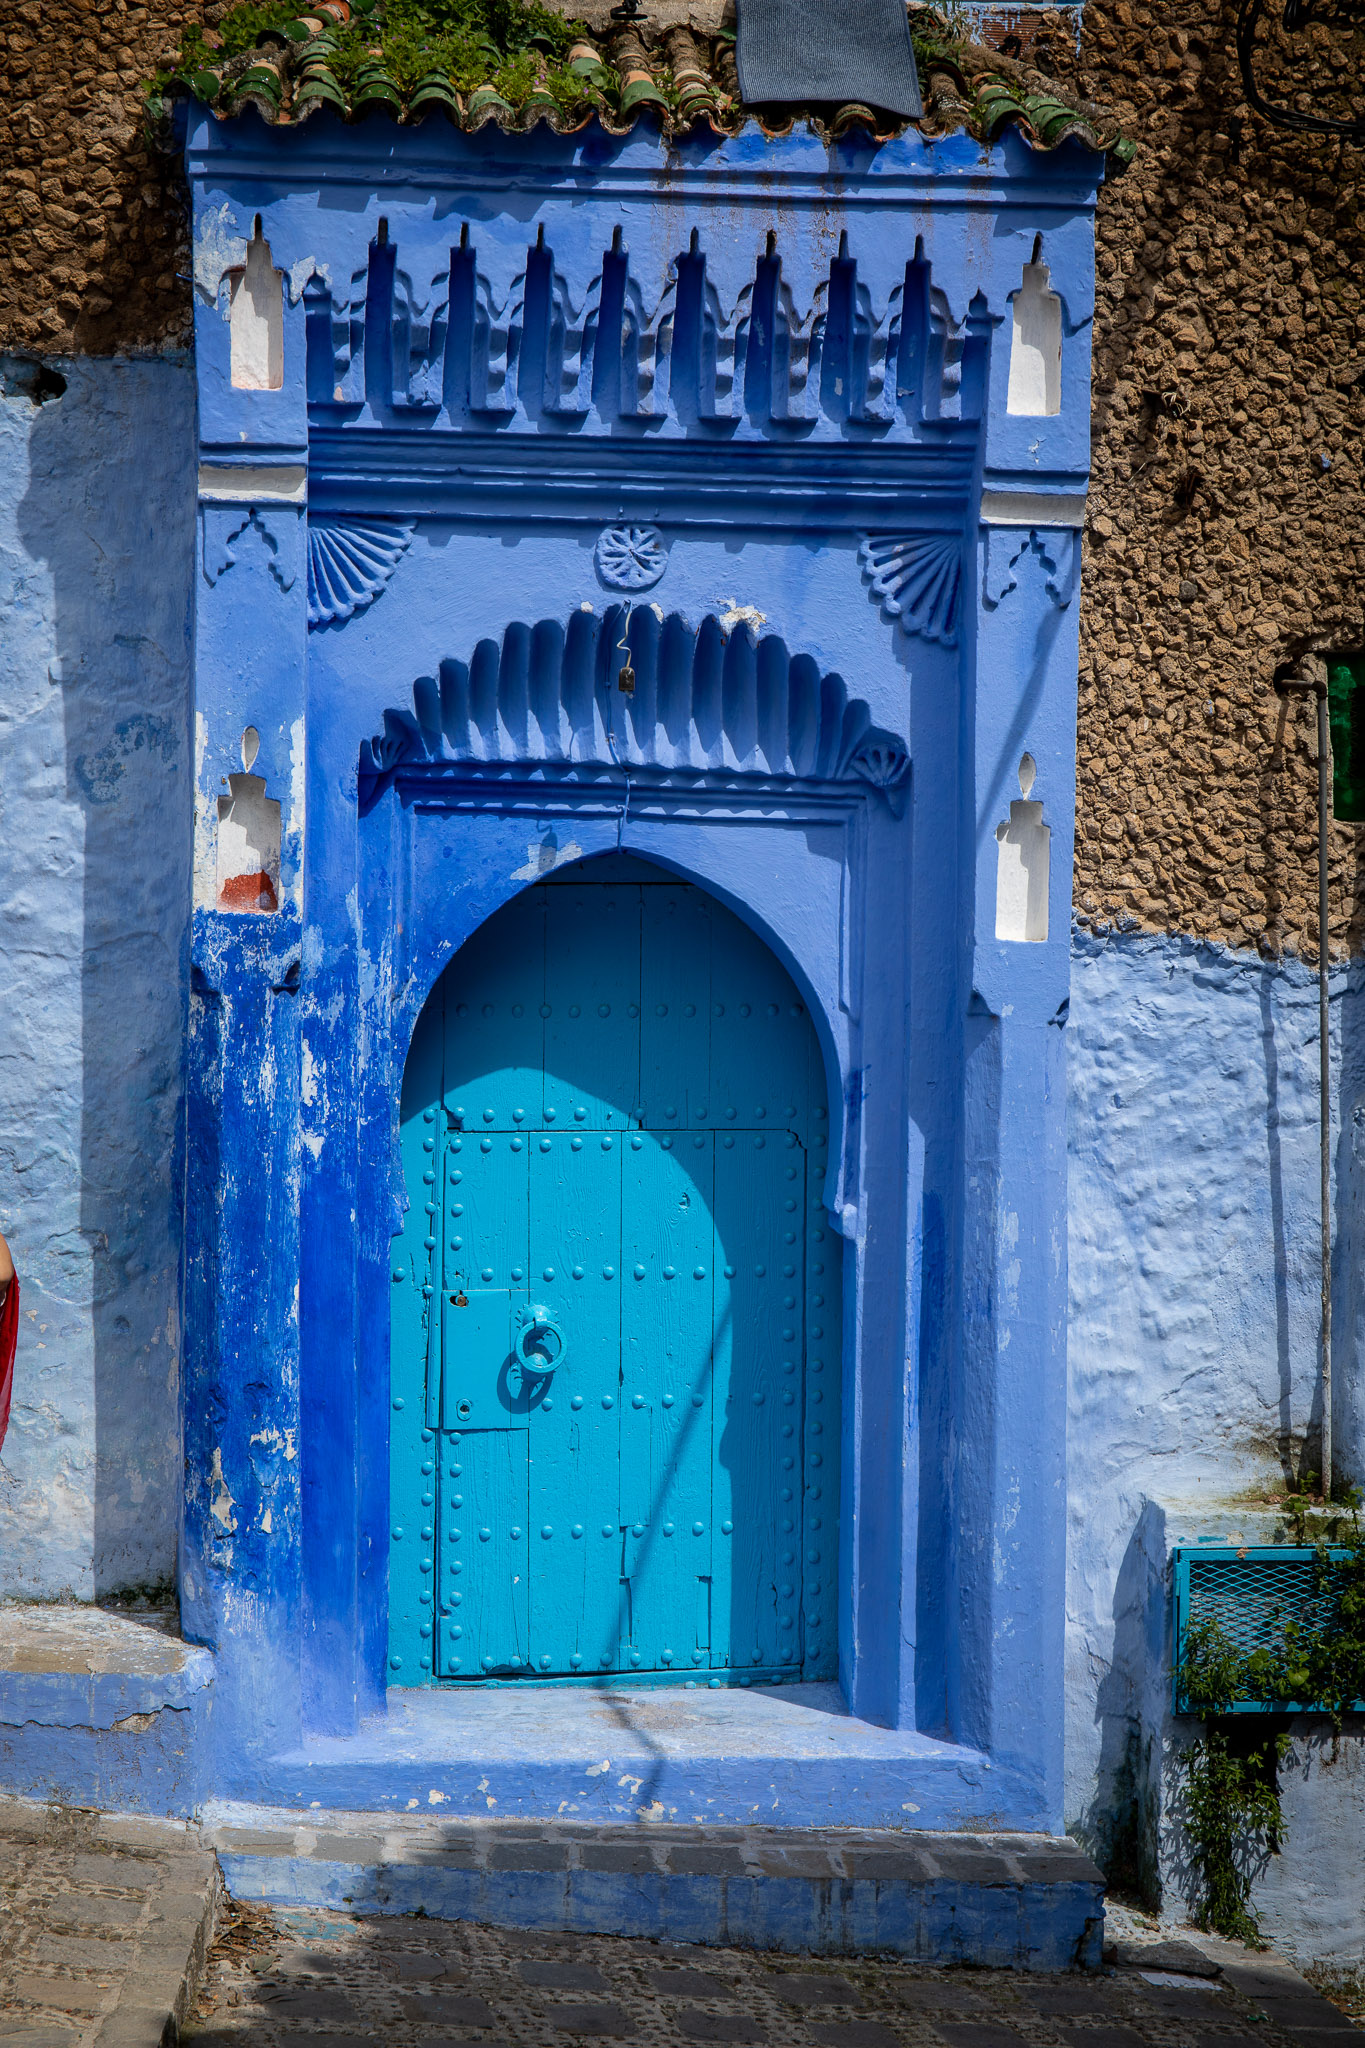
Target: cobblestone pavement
104, 1925
312, 1979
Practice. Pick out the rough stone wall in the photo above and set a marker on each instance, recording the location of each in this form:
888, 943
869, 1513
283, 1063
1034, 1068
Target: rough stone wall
1227, 518
92, 220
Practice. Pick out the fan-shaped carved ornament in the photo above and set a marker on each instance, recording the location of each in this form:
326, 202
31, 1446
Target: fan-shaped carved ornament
706, 705
884, 762
349, 562
917, 577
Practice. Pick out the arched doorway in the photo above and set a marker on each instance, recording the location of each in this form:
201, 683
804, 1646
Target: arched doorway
620, 1328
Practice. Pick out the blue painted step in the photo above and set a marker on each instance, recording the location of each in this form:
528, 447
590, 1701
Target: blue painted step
1026, 1902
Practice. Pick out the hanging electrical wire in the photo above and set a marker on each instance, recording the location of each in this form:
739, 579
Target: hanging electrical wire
1296, 15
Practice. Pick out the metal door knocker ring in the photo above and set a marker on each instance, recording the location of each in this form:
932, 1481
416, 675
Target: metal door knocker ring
540, 1344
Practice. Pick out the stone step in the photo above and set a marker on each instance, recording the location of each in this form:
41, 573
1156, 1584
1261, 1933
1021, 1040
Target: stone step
107, 1921
101, 1709
1032, 1902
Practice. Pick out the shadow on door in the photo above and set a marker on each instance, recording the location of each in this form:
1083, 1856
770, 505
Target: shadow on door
616, 1305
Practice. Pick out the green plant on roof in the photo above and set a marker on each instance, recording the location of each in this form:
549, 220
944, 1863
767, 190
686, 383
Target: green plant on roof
517, 50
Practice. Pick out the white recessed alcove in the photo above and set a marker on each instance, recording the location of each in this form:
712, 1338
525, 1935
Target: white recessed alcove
1035, 388
256, 319
248, 839
1023, 865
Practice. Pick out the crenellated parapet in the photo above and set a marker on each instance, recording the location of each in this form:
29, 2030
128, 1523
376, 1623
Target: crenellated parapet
475, 287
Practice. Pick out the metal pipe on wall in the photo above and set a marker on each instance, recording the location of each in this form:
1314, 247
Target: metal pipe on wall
1325, 1070
1312, 675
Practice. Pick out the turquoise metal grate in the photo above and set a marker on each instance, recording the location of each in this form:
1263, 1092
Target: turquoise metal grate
1252, 1593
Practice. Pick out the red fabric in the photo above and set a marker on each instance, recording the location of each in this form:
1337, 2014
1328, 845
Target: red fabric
9, 1334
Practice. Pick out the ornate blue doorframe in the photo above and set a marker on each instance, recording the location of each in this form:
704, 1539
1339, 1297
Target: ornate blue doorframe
817, 448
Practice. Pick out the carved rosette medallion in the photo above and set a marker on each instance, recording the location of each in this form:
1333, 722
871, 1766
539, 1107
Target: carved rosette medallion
630, 557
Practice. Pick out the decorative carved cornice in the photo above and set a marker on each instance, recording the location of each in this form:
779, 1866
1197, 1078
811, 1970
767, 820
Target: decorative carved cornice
615, 480
704, 704
742, 329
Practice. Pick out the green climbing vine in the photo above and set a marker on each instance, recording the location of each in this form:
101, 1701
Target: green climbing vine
1232, 1802
1232, 1799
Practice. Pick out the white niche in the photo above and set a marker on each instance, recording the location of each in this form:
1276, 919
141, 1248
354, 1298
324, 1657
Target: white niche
1023, 865
256, 319
1036, 344
248, 839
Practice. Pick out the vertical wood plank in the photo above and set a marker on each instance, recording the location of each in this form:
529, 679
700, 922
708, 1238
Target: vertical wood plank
575, 1541
759, 1033
675, 1005
824, 1343
413, 1303
760, 1191
592, 992
667, 1319
487, 1242
495, 1034
482, 1577
485, 1609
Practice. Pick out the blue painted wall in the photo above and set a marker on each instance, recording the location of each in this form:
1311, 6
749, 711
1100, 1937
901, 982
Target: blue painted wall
96, 554
1191, 1092
845, 507
1192, 1140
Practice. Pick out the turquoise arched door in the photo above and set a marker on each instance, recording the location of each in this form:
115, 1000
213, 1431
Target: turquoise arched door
615, 1358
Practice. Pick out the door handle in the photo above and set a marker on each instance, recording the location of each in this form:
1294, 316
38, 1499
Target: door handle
540, 1342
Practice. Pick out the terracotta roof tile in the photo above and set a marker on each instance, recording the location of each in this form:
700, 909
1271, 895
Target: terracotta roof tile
677, 78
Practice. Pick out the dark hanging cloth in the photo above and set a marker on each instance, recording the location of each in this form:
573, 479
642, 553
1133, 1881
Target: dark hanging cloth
813, 51
9, 1336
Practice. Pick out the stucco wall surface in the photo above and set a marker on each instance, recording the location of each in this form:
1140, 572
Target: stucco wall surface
1193, 1081
96, 551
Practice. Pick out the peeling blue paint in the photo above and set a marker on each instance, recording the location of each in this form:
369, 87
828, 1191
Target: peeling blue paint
848, 646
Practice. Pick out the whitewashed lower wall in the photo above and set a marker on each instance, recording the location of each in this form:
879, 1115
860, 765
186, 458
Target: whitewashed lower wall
1193, 1077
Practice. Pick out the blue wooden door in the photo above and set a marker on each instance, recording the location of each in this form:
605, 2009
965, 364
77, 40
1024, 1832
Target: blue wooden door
615, 1331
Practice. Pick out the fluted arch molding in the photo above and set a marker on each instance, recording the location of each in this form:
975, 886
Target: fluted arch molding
707, 703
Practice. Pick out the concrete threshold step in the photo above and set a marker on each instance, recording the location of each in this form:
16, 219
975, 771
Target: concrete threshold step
792, 1756
1029, 1902
107, 1922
